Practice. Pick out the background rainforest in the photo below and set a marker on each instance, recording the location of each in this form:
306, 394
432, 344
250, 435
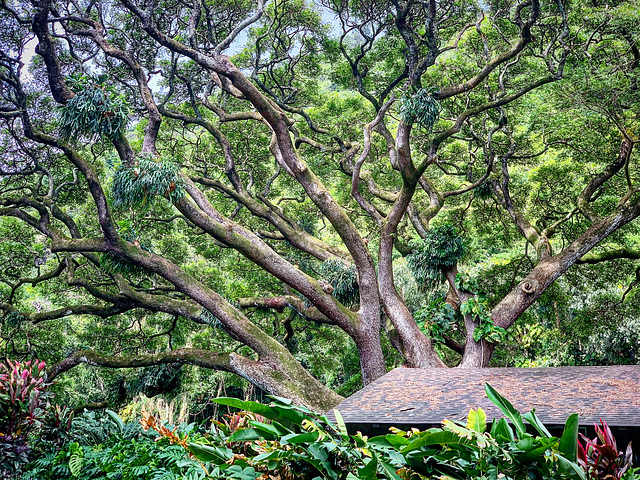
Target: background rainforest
304, 194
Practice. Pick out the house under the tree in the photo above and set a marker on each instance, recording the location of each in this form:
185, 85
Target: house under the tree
415, 398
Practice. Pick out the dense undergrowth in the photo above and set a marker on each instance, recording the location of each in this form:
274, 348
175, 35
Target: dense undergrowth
280, 441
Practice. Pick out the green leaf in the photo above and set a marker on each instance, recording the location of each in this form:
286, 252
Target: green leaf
342, 427
76, 462
501, 429
370, 470
442, 437
116, 418
569, 439
269, 429
571, 468
533, 419
397, 441
294, 438
389, 471
210, 453
457, 429
509, 410
247, 434
477, 420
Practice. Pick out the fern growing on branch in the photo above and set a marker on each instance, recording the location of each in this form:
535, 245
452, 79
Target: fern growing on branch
138, 184
96, 110
420, 108
442, 248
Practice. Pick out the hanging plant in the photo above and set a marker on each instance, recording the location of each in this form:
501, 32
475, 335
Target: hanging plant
96, 110
421, 108
483, 191
442, 248
120, 265
343, 279
138, 184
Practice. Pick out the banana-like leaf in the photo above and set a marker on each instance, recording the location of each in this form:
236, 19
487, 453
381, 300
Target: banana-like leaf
306, 437
370, 470
569, 439
501, 428
477, 420
116, 418
210, 453
509, 410
572, 469
441, 437
342, 427
248, 434
533, 419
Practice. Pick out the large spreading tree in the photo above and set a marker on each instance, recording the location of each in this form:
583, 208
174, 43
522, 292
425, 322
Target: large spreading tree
340, 158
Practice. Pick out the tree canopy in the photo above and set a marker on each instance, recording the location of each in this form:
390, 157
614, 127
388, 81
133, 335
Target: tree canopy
258, 186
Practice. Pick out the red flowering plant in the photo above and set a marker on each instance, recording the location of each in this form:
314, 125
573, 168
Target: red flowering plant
23, 396
600, 457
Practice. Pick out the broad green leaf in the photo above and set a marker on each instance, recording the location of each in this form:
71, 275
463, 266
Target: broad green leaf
210, 453
397, 440
248, 434
501, 428
506, 407
571, 468
293, 438
443, 437
569, 440
272, 412
370, 470
458, 429
533, 419
389, 471
272, 429
116, 418
533, 454
477, 420
342, 427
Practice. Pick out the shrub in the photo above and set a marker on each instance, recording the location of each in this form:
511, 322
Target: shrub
23, 394
291, 442
600, 457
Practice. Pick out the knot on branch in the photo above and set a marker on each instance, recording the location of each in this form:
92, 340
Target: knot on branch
528, 288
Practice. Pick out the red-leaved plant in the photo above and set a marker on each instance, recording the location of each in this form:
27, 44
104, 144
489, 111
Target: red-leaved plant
600, 457
22, 396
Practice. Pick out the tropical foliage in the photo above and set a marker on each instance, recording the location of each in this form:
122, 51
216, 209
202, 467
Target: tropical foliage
300, 195
280, 440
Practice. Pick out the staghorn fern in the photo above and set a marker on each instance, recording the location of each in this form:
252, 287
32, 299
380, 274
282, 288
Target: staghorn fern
420, 108
343, 279
139, 184
94, 111
441, 248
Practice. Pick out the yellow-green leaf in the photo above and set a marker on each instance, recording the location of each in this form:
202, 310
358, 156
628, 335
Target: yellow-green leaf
477, 420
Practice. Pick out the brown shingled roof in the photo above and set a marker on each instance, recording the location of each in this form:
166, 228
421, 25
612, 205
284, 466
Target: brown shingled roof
416, 397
